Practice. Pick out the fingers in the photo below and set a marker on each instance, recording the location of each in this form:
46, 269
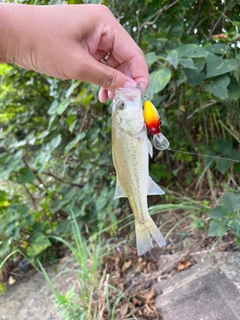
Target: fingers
100, 74
102, 95
107, 58
125, 50
125, 56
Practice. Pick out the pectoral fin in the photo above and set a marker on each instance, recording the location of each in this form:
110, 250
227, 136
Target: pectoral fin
118, 192
153, 188
150, 148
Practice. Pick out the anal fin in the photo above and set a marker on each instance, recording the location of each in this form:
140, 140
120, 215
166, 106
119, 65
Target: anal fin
153, 188
118, 192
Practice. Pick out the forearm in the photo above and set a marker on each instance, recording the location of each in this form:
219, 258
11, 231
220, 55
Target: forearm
5, 22
16, 23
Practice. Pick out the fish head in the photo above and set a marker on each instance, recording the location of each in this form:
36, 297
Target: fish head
151, 118
127, 104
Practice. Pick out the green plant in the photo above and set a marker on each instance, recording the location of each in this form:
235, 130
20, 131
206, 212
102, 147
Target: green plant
87, 256
187, 208
55, 146
226, 216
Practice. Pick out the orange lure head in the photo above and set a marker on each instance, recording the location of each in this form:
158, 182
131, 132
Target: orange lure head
151, 118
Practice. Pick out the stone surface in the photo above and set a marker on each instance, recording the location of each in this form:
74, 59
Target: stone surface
32, 299
209, 290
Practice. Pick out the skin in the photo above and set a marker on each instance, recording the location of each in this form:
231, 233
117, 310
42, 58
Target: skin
68, 42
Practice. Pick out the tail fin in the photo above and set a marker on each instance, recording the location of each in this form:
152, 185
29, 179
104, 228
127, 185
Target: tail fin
144, 233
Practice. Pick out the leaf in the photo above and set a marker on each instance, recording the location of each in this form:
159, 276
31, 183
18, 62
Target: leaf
217, 66
235, 226
173, 58
230, 201
216, 229
218, 48
41, 159
150, 58
238, 241
223, 165
158, 81
11, 280
234, 89
4, 174
217, 212
74, 142
191, 51
25, 175
39, 242
53, 107
126, 265
3, 288
185, 264
218, 87
223, 146
63, 106
187, 63
3, 199
194, 78
70, 119
72, 87
54, 143
101, 202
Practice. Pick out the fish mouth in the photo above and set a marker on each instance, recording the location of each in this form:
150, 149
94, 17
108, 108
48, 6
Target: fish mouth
129, 94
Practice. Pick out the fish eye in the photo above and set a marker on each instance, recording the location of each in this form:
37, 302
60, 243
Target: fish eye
121, 104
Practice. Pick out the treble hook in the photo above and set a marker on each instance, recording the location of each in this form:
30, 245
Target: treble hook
145, 96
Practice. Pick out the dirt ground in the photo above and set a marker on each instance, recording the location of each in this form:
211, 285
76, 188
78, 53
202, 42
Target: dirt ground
146, 281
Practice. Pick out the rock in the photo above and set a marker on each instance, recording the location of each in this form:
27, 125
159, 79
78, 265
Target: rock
209, 290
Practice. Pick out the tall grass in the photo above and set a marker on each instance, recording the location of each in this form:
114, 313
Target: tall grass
92, 295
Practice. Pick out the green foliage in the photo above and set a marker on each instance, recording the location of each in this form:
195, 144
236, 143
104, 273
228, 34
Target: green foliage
78, 303
3, 288
226, 215
17, 224
55, 142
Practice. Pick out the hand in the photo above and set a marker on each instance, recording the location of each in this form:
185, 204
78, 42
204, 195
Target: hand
69, 41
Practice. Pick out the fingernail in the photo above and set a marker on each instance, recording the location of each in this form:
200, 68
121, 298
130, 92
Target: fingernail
129, 84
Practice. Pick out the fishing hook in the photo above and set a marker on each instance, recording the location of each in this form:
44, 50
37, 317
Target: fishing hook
145, 96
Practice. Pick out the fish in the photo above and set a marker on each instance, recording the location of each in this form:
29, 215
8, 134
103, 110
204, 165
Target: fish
130, 151
153, 123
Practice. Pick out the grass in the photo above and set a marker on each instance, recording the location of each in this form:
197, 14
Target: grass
93, 297
92, 294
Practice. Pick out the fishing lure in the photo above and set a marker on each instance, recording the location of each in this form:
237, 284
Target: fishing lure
153, 123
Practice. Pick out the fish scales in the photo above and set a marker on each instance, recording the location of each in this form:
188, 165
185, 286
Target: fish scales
130, 148
130, 175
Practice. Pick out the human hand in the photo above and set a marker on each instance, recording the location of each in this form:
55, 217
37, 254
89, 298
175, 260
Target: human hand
69, 41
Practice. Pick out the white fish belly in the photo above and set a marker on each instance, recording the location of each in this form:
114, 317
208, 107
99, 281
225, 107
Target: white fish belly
130, 157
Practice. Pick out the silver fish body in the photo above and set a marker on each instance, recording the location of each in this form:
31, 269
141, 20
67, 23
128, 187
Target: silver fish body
130, 149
